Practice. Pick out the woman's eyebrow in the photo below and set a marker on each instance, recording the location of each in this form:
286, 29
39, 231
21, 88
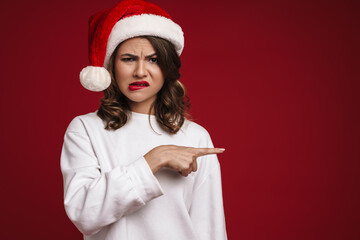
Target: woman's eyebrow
151, 55
129, 55
134, 56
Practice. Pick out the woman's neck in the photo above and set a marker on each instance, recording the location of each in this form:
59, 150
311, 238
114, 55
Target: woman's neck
142, 108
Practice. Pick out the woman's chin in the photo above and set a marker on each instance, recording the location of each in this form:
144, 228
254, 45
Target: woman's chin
141, 100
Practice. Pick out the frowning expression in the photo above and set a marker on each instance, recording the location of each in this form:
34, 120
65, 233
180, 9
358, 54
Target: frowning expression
137, 72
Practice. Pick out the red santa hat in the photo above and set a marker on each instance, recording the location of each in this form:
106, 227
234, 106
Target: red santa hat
127, 19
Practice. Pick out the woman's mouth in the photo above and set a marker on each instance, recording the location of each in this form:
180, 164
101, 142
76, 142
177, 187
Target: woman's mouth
138, 85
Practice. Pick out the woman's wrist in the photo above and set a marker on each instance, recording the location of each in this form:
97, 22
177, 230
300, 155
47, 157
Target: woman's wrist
154, 162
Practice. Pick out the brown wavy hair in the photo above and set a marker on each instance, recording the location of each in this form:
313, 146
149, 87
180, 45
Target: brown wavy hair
171, 105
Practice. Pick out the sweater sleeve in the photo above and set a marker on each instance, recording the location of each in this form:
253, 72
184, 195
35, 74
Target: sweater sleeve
94, 198
207, 212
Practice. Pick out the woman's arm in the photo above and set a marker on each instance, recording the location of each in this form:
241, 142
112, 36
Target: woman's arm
207, 211
179, 158
93, 198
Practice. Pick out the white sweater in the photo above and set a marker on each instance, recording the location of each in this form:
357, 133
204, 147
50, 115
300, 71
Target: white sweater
110, 191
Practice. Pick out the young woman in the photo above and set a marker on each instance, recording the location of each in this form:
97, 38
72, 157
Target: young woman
137, 168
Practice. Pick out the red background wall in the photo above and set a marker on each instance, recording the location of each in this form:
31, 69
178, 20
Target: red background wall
275, 82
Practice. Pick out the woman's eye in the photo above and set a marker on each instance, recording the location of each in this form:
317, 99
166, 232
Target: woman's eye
154, 60
127, 59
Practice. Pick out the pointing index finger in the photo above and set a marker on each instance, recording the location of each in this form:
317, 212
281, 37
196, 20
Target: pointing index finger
205, 151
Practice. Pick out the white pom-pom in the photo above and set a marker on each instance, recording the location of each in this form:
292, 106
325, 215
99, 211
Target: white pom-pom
95, 78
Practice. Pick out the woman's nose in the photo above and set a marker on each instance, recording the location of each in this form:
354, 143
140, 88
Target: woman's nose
140, 70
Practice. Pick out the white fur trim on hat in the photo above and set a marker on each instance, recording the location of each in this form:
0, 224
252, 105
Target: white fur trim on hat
141, 25
95, 78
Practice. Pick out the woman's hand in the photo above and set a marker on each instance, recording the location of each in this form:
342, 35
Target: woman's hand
178, 158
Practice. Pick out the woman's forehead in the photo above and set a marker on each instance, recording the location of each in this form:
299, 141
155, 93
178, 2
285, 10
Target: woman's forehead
136, 46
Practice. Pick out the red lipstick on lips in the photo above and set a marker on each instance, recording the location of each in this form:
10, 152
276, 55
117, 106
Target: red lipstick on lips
138, 85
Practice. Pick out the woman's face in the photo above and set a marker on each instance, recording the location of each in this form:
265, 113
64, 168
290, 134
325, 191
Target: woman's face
138, 74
